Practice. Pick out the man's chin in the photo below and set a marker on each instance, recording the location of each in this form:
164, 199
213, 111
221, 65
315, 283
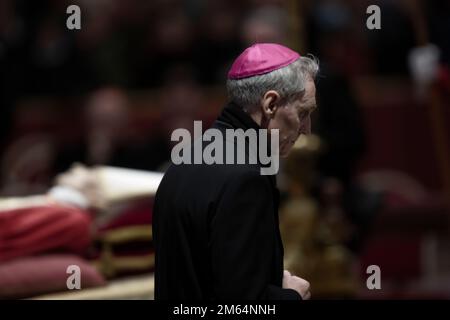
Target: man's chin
285, 153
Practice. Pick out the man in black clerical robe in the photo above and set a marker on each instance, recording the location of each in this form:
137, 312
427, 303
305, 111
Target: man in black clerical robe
215, 226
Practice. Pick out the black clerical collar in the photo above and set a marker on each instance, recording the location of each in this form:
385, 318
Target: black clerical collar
234, 116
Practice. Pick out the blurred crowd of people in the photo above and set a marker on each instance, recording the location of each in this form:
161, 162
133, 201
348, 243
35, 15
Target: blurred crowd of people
188, 45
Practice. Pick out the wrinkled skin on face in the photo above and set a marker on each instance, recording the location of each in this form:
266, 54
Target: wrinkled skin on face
292, 119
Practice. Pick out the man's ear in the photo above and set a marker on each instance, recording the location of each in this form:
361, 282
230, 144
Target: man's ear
269, 103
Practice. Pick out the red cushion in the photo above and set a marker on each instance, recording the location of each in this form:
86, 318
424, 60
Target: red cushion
135, 213
27, 277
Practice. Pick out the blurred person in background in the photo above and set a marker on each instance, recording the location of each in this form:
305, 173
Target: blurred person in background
265, 24
339, 122
108, 137
169, 39
218, 40
181, 100
27, 165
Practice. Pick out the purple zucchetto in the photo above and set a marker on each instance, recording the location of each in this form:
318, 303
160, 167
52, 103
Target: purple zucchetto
261, 58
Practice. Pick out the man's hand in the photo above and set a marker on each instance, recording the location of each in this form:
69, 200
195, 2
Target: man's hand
83, 180
296, 283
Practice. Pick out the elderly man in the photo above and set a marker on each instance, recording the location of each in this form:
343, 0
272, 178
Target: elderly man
215, 226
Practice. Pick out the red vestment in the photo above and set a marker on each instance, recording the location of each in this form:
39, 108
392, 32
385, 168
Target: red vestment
38, 229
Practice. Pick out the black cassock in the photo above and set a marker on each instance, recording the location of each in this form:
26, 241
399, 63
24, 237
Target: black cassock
215, 229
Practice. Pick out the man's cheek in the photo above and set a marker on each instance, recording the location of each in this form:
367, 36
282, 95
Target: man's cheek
306, 126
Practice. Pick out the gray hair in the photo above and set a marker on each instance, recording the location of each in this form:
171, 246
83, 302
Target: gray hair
288, 81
